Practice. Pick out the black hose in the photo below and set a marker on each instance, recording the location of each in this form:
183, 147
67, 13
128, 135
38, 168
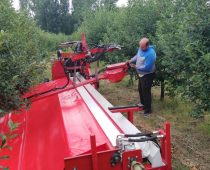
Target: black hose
138, 134
56, 88
143, 139
100, 55
149, 138
95, 57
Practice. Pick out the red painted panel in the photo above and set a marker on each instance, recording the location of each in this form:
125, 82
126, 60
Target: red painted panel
41, 139
45, 141
57, 70
85, 162
55, 127
80, 124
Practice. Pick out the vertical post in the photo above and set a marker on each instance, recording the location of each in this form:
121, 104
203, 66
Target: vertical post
163, 150
74, 78
87, 70
168, 146
130, 116
94, 152
162, 86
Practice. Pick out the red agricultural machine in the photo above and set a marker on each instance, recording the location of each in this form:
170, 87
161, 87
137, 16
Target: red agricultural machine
71, 126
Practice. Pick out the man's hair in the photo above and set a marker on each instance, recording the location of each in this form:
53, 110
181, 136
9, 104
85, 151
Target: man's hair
145, 40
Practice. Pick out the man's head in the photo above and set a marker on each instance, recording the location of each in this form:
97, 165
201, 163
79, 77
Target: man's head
144, 44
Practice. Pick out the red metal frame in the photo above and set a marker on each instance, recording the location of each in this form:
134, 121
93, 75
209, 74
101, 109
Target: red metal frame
88, 161
57, 70
102, 160
84, 68
129, 112
113, 74
128, 155
166, 145
82, 55
94, 152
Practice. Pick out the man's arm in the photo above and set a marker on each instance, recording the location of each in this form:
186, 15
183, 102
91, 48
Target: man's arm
133, 60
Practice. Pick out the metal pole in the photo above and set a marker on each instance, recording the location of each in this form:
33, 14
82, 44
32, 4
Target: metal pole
94, 152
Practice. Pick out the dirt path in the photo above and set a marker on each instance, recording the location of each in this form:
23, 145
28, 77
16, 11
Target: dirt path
191, 149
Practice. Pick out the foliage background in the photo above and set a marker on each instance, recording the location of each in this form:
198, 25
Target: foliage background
24, 52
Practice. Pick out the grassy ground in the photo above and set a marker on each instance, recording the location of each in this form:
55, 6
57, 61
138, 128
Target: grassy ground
190, 137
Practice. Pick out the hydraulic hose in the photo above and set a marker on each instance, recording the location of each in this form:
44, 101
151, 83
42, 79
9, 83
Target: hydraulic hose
143, 139
56, 88
138, 134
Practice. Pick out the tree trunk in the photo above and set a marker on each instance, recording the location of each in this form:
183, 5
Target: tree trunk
162, 90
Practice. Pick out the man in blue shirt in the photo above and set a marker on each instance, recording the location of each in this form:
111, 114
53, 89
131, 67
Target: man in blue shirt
144, 62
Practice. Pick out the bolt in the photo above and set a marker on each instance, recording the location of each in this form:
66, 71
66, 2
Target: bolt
113, 164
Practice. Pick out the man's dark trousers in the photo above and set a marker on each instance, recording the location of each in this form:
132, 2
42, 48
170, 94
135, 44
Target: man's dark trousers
145, 85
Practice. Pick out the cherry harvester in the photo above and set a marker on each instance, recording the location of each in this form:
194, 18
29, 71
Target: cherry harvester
71, 126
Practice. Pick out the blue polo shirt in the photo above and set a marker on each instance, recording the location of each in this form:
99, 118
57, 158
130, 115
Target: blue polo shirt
145, 61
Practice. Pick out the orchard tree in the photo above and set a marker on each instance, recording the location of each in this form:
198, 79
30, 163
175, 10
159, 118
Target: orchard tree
183, 38
52, 15
23, 51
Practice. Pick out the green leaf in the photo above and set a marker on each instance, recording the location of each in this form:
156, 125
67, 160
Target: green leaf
8, 147
3, 168
4, 157
13, 136
12, 125
3, 140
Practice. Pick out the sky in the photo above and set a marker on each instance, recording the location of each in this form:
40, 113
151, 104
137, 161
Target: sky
119, 3
16, 4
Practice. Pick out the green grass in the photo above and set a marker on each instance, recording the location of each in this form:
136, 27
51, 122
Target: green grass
204, 127
177, 165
